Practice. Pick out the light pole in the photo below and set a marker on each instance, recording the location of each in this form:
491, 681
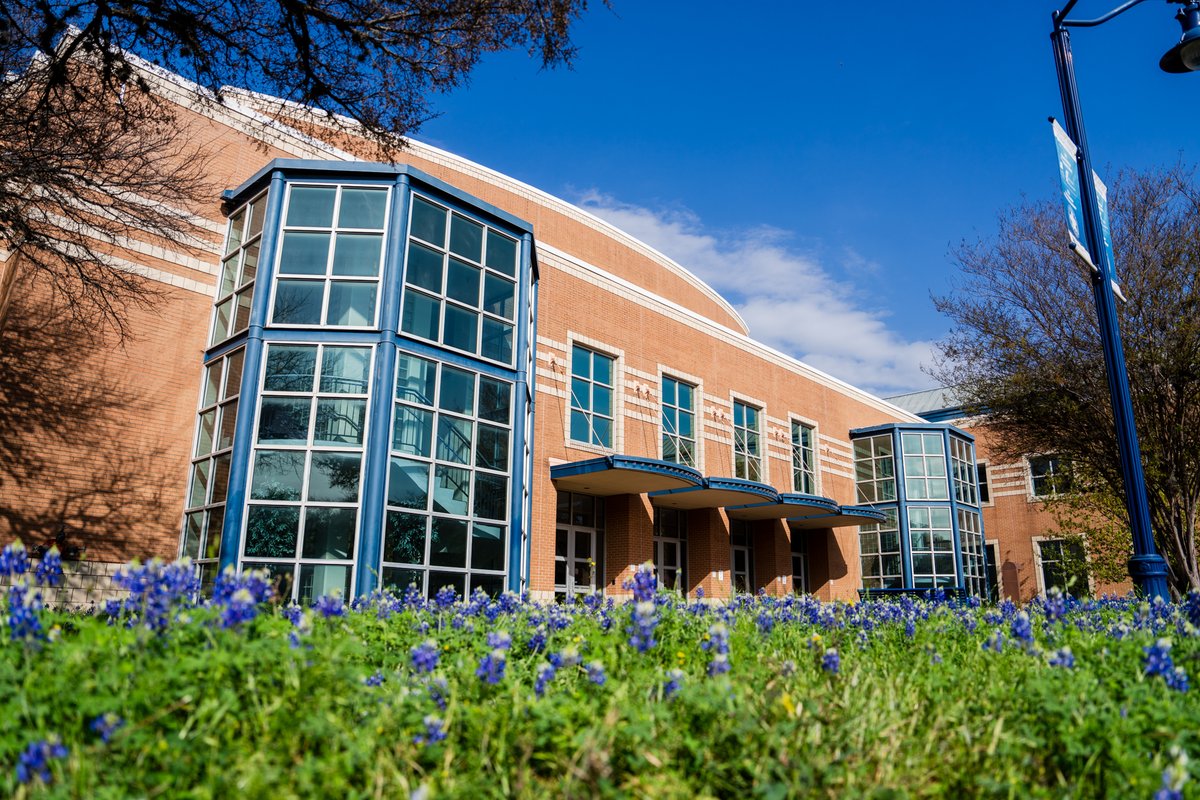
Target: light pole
1146, 566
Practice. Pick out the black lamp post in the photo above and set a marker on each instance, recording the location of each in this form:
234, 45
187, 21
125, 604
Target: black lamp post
1147, 567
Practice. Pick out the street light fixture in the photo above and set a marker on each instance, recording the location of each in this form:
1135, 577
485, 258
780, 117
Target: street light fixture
1146, 566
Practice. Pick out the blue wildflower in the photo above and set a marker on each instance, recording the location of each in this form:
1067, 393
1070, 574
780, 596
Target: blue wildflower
644, 583
1174, 776
1021, 628
499, 639
14, 560
34, 762
545, 674
24, 605
1063, 657
106, 725
1177, 679
491, 667
375, 679
239, 608
674, 681
595, 673
49, 570
537, 642
425, 656
446, 597
1157, 659
330, 605
831, 661
995, 642
435, 731
643, 622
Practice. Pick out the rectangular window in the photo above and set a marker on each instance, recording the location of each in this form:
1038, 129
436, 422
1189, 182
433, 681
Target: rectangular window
207, 489
875, 469
460, 284
804, 464
741, 556
448, 479
330, 256
924, 466
962, 467
1063, 565
306, 473
931, 540
578, 545
239, 265
799, 563
879, 551
670, 548
993, 570
1048, 476
678, 422
985, 490
747, 442
592, 382
970, 535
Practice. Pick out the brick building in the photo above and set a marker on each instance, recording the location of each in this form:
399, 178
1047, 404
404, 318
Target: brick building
427, 372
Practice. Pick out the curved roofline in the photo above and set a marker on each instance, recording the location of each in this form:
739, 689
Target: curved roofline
515, 186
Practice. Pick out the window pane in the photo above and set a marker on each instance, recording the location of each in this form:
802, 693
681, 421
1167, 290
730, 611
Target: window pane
298, 302
249, 264
362, 208
454, 439
204, 435
448, 543
233, 374
487, 546
494, 399
318, 580
304, 253
351, 304
462, 328
466, 238
333, 477
258, 211
329, 532
198, 495
602, 400
345, 370
458, 391
501, 253
451, 487
580, 430
603, 432
416, 379
408, 483
581, 362
499, 296
357, 254
497, 341
491, 496
284, 420
462, 282
278, 475
340, 422
429, 221
229, 274
212, 382
241, 314
602, 369
290, 368
422, 315
404, 538
212, 537
398, 580
271, 531
221, 324
236, 223
412, 432
228, 425
220, 479
491, 448
424, 267
311, 206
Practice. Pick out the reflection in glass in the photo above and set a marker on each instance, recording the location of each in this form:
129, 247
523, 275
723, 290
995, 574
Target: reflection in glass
329, 533
271, 531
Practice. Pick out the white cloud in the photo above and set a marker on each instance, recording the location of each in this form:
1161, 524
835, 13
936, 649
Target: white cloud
789, 299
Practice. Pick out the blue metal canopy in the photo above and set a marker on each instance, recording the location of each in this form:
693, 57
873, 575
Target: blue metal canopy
790, 506
844, 516
716, 493
618, 474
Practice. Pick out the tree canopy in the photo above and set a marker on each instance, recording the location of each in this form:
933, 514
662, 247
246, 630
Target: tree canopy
1025, 348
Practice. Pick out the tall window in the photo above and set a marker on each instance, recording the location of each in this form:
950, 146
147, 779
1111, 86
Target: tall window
875, 469
670, 547
678, 422
970, 534
962, 465
981, 475
924, 466
993, 570
931, 538
1048, 476
447, 500
578, 545
747, 444
804, 464
741, 556
216, 422
879, 550
799, 563
330, 256
1063, 564
460, 283
591, 397
235, 291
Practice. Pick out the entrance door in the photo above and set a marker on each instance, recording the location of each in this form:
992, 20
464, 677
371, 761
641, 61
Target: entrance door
578, 545
670, 548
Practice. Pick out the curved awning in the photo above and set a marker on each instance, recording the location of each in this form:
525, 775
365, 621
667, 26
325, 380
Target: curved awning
788, 507
611, 475
843, 517
716, 493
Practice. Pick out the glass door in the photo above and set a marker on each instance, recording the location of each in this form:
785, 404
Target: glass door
578, 546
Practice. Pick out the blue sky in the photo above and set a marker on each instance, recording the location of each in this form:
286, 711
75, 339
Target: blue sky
817, 163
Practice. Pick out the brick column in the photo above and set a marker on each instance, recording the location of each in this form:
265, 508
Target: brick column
708, 553
772, 553
628, 539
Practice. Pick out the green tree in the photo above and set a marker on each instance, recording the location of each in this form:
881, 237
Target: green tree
1024, 346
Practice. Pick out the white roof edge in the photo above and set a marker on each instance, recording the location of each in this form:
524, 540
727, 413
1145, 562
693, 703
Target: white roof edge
509, 183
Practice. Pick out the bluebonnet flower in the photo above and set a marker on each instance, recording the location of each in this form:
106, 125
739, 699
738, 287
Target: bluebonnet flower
155, 589
439, 689
49, 570
34, 762
537, 642
643, 583
1174, 776
1063, 657
1189, 607
1157, 659
1055, 605
14, 560
255, 581
717, 643
376, 678
1021, 628
831, 661
545, 674
766, 622
302, 625
491, 667
446, 597
499, 639
643, 622
674, 681
1177, 679
330, 605
995, 642
435, 731
910, 627
239, 608
699, 592
292, 613
425, 656
106, 725
719, 665
24, 605
595, 673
